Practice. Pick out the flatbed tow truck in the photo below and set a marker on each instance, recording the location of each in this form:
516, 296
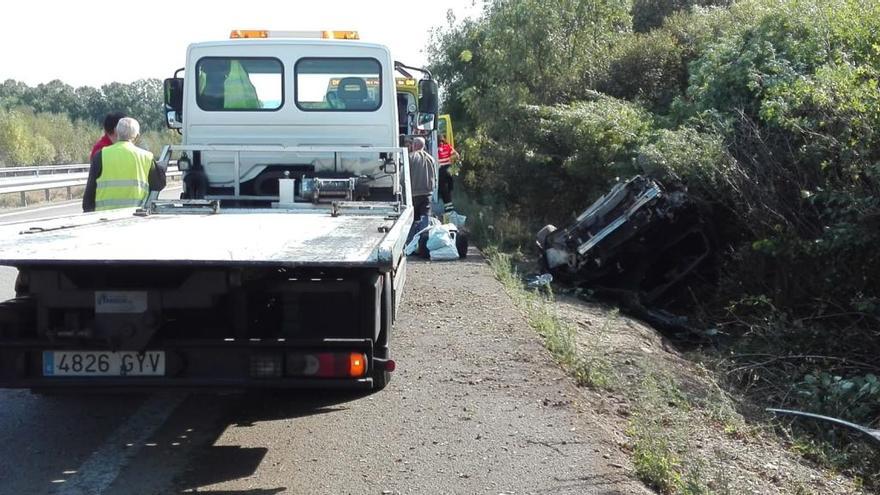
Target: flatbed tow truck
282, 263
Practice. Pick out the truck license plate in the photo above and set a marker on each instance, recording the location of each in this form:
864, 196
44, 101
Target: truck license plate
100, 363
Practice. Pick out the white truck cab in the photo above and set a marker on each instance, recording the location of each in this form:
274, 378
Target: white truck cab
285, 93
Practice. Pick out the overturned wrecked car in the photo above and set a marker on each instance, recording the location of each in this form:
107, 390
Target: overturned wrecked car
639, 241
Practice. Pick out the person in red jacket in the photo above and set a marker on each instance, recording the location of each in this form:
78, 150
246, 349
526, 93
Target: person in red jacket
109, 137
445, 155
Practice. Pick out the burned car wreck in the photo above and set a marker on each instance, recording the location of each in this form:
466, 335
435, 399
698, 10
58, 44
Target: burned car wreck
636, 244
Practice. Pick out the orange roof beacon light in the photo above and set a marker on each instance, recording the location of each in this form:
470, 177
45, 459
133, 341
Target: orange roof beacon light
248, 33
262, 33
341, 35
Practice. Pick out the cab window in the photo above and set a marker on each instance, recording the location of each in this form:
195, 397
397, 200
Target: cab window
338, 84
236, 84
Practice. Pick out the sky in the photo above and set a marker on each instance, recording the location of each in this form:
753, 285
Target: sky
87, 42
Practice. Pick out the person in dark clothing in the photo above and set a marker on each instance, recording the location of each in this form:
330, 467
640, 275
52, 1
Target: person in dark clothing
109, 137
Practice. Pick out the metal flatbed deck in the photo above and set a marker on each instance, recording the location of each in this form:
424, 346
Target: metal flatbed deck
229, 238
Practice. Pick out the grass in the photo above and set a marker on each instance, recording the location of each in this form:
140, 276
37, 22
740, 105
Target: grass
656, 438
559, 337
13, 200
660, 432
654, 460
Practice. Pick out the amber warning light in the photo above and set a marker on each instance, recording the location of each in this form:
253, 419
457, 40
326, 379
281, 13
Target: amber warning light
262, 33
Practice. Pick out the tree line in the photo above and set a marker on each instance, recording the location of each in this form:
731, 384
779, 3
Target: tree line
55, 123
141, 99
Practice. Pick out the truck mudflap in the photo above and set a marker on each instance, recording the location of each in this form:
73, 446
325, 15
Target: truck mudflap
230, 363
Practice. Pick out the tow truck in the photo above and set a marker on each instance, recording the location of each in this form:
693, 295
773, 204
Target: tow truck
280, 265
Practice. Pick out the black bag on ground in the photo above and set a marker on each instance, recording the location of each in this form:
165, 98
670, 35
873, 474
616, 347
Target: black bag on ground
461, 244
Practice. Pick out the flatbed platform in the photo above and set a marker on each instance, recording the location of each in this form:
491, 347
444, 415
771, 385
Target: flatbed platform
229, 238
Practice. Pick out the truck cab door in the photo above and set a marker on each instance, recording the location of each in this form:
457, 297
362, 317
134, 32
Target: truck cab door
444, 129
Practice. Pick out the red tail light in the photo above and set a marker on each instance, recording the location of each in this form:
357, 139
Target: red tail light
327, 364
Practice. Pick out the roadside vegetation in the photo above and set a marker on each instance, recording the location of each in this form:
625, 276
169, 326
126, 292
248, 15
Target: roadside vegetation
767, 110
685, 434
53, 123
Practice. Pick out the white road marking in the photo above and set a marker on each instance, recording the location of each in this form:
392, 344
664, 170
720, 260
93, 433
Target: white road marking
21, 211
99, 471
66, 204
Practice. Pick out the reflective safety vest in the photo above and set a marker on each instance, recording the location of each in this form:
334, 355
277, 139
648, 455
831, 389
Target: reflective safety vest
444, 154
238, 90
124, 180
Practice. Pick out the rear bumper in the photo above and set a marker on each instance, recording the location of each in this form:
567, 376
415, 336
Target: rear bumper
221, 365
188, 383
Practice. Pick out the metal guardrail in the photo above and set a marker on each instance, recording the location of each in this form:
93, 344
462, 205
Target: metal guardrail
42, 170
24, 185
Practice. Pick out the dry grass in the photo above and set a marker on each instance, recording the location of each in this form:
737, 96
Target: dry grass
685, 433
32, 198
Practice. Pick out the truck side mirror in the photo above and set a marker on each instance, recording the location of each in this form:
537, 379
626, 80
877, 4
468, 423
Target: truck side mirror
426, 122
173, 102
429, 96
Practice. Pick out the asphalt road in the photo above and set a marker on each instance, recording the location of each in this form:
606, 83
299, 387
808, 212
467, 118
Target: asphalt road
475, 406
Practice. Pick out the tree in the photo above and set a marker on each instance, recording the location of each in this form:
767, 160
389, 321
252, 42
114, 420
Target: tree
12, 93
54, 96
650, 14
141, 99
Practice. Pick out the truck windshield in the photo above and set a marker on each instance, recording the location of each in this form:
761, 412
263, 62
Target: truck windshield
338, 84
229, 84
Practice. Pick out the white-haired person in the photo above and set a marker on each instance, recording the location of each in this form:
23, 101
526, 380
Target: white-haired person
422, 171
122, 175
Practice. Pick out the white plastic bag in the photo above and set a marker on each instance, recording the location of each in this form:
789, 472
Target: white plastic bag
443, 254
441, 242
455, 218
413, 245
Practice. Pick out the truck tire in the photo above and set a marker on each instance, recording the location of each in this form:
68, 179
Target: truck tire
383, 344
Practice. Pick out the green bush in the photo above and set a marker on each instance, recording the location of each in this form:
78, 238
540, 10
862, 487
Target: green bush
699, 159
834, 114
16, 145
787, 39
28, 138
856, 398
651, 14
648, 67
767, 110
546, 161
594, 141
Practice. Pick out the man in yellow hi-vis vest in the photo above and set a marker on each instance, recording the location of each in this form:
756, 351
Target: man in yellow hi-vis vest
122, 175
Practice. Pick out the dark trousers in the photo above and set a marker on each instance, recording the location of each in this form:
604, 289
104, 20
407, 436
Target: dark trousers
422, 208
444, 185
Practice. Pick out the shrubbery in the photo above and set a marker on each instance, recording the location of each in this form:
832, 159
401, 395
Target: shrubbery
54, 123
28, 138
141, 99
768, 110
